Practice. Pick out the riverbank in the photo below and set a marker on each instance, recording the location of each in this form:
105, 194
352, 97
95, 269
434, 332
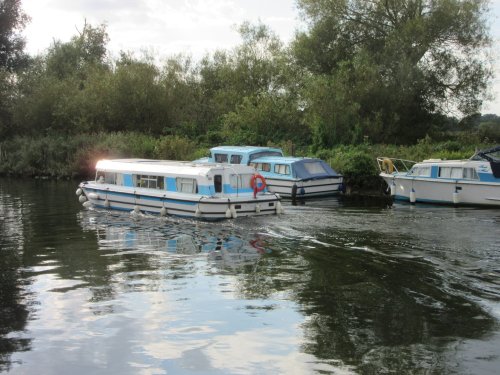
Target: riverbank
74, 157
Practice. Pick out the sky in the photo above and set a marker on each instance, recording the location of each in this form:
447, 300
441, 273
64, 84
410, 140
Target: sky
195, 27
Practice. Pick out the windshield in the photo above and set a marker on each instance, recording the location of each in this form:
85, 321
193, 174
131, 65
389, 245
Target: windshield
492, 154
264, 153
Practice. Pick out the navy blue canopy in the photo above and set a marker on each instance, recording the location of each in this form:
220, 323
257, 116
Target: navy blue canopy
490, 155
311, 169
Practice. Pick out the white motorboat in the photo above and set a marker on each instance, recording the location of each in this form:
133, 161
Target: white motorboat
206, 191
475, 181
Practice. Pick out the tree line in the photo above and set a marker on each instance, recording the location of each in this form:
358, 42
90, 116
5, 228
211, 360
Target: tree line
380, 71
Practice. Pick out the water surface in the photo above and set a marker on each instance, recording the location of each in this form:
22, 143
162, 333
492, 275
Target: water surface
329, 287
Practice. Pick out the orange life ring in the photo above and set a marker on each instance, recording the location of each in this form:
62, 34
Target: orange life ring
255, 186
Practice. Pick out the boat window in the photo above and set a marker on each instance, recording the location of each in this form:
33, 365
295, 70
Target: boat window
150, 182
110, 178
420, 171
491, 155
264, 153
240, 181
186, 185
282, 169
266, 167
315, 168
470, 174
119, 179
99, 177
218, 183
456, 173
235, 159
450, 172
160, 182
220, 158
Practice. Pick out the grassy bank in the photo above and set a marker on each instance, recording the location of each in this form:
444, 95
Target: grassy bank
57, 156
76, 156
358, 162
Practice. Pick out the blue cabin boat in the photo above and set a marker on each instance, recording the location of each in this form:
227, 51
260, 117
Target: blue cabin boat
292, 177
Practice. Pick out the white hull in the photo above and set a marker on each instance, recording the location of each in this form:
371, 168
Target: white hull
305, 189
178, 204
431, 190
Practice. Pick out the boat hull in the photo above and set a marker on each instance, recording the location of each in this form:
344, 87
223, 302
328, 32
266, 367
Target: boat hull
427, 190
305, 189
177, 204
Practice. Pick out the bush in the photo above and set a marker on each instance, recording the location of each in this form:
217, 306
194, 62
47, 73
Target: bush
70, 156
175, 148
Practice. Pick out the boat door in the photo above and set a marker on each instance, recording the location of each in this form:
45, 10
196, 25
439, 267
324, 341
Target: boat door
218, 183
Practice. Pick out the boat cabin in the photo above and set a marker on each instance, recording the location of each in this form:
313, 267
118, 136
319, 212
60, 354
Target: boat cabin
173, 176
444, 170
240, 154
287, 167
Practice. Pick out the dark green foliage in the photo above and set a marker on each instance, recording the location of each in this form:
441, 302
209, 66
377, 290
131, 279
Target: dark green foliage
6, 86
12, 59
12, 21
69, 156
84, 51
175, 148
262, 119
360, 160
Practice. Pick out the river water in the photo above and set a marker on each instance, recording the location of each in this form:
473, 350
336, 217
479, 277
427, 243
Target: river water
330, 287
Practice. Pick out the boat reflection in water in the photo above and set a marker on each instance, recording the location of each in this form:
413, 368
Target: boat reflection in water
123, 233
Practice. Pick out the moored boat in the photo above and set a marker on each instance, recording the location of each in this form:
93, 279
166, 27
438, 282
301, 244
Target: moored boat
475, 181
205, 191
292, 177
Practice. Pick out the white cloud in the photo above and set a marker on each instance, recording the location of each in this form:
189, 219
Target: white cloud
167, 27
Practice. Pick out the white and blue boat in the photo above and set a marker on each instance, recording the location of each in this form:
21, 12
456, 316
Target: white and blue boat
205, 191
475, 181
293, 177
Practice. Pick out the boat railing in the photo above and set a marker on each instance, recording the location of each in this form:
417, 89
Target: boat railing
394, 165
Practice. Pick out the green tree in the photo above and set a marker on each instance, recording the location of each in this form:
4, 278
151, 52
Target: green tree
399, 62
12, 58
55, 92
87, 49
252, 91
182, 99
262, 119
135, 98
12, 22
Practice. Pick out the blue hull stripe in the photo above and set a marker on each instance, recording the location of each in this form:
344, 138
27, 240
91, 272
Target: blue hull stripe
178, 201
403, 198
420, 200
271, 184
139, 196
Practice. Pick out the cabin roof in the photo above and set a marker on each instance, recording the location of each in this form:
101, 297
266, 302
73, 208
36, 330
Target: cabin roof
281, 159
243, 149
164, 167
443, 162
